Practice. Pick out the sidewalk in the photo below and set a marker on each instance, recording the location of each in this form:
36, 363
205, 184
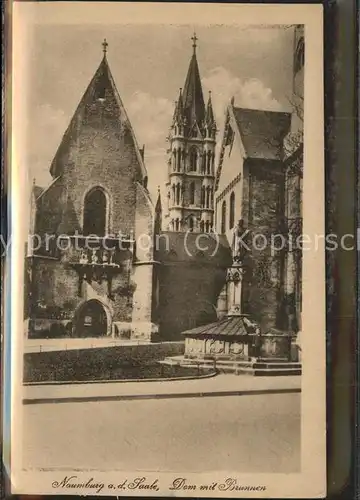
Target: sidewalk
220, 385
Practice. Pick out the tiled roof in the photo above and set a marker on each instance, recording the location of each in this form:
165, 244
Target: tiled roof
262, 132
232, 326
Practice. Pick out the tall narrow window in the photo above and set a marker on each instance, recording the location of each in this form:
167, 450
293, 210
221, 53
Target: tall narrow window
192, 193
202, 226
203, 196
191, 223
207, 200
95, 206
178, 194
208, 169
232, 210
223, 217
193, 159
178, 157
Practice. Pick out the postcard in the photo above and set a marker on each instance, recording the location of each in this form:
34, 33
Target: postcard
166, 270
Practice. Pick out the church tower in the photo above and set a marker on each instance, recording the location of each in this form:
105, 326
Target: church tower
192, 138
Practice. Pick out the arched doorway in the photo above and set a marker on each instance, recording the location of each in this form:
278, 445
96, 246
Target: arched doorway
91, 320
95, 210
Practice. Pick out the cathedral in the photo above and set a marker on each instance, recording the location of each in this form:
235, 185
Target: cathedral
91, 276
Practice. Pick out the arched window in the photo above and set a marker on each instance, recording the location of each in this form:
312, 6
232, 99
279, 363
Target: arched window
174, 160
208, 169
177, 224
173, 193
232, 210
207, 226
192, 193
223, 217
178, 194
178, 158
193, 159
191, 223
203, 196
202, 226
207, 200
95, 210
203, 163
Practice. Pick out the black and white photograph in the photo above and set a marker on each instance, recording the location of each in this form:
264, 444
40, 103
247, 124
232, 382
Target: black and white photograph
167, 334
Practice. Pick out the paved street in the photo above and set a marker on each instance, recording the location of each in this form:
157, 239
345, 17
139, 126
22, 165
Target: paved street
247, 433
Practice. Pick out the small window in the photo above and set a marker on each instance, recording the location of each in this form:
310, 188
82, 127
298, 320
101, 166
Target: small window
232, 210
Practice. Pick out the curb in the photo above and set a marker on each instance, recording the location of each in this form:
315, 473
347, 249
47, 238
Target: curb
95, 399
118, 381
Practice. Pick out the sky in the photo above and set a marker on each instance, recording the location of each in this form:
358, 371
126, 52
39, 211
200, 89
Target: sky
149, 64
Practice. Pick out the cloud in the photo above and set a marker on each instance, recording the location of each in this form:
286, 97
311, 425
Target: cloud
49, 125
248, 93
151, 117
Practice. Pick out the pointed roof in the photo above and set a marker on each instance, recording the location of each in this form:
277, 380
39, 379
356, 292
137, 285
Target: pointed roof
158, 206
209, 117
194, 106
37, 191
101, 83
179, 108
230, 326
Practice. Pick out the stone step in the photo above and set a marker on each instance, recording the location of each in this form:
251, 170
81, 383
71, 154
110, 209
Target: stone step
262, 368
275, 366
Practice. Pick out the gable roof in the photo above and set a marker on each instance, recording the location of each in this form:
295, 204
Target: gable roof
262, 133
101, 81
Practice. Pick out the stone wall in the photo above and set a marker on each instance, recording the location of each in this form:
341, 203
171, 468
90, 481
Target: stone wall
190, 280
264, 281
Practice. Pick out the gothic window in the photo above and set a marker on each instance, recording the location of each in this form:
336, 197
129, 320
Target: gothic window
174, 160
173, 193
207, 226
223, 217
203, 163
208, 168
177, 225
211, 198
232, 210
207, 200
193, 159
299, 55
203, 196
202, 226
178, 194
192, 193
191, 224
95, 209
178, 158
